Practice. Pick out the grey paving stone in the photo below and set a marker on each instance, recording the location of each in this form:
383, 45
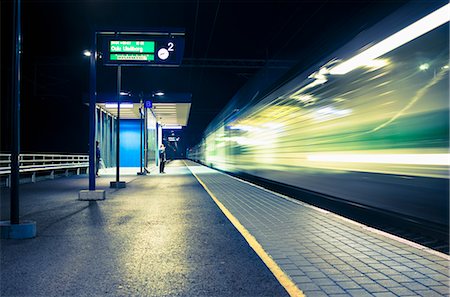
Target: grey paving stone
440, 289
314, 293
349, 285
358, 293
332, 289
388, 283
439, 277
424, 261
324, 281
362, 280
412, 257
294, 272
288, 266
428, 293
378, 276
428, 282
414, 274
308, 287
401, 268
427, 270
340, 278
401, 291
374, 288
414, 286
308, 269
301, 279
352, 273
366, 270
314, 275
384, 294
331, 271
283, 261
401, 278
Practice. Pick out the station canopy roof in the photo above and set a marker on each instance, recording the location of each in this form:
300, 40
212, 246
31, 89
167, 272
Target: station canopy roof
169, 108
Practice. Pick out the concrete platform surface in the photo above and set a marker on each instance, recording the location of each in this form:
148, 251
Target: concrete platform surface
161, 236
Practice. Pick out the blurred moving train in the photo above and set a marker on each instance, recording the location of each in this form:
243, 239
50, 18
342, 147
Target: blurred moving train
369, 125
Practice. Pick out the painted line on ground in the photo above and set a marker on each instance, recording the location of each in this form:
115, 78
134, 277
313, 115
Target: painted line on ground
279, 274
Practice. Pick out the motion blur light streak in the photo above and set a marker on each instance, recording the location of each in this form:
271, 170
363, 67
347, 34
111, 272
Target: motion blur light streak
377, 135
417, 159
422, 26
419, 95
424, 66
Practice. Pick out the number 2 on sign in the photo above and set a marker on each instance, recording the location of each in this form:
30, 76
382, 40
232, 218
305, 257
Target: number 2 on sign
170, 45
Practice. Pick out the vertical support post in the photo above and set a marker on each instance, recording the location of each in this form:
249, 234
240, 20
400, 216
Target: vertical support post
15, 116
119, 81
142, 130
92, 103
145, 140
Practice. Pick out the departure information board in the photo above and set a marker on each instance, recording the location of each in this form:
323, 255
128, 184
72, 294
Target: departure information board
157, 51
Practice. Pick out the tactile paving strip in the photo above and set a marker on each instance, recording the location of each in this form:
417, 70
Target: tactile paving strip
324, 254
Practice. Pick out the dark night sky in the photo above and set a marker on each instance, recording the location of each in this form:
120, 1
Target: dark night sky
55, 74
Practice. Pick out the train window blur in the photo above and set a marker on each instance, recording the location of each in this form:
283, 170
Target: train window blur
373, 134
391, 116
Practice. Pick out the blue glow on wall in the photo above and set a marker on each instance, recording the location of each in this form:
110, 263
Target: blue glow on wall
130, 132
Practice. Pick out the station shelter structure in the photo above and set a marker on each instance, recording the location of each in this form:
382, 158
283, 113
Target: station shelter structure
167, 111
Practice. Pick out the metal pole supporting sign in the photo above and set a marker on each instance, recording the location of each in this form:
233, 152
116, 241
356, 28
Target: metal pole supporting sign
92, 193
118, 184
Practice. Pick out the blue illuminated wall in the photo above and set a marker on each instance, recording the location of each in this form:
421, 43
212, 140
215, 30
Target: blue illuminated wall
130, 132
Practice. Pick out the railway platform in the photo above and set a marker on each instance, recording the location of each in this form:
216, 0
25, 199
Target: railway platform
195, 231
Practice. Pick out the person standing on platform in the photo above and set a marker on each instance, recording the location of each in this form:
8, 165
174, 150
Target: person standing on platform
162, 158
97, 157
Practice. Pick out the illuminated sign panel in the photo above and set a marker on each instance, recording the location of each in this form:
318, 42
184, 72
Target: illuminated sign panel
132, 57
129, 50
121, 46
148, 104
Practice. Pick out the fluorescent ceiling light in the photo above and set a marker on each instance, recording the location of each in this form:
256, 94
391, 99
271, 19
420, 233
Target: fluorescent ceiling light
172, 127
159, 94
125, 94
422, 26
87, 53
122, 105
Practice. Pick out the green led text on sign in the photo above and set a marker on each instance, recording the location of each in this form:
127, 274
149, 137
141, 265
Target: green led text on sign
132, 57
126, 46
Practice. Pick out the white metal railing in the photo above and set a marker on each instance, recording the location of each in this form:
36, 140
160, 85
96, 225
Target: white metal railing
34, 163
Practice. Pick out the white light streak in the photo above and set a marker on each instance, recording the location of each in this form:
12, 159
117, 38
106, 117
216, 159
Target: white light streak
410, 159
425, 66
422, 26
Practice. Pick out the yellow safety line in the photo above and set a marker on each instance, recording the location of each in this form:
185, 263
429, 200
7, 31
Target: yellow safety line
284, 280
